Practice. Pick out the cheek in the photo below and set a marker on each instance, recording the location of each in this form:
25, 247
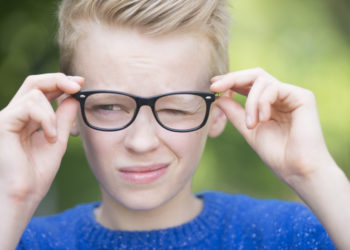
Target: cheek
100, 148
188, 147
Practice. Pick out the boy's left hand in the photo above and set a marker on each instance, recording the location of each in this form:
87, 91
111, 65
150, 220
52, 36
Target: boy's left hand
280, 122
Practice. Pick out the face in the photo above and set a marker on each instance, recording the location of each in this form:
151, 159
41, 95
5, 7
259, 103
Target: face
144, 165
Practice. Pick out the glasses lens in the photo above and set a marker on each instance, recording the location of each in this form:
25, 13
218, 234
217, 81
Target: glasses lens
109, 111
181, 111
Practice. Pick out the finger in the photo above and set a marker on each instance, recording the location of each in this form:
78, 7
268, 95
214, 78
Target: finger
56, 94
234, 113
32, 112
66, 115
61, 98
217, 78
77, 79
283, 98
239, 81
251, 105
228, 93
267, 99
53, 84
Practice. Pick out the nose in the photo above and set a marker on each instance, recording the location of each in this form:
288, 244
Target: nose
141, 136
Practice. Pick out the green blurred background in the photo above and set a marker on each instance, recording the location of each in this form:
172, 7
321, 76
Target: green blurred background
306, 43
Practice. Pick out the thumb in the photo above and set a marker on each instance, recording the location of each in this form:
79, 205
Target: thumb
66, 114
234, 113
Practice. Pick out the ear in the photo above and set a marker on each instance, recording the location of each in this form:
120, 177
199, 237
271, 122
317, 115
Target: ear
218, 122
74, 131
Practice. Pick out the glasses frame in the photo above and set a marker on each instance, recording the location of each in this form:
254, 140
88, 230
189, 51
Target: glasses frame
82, 95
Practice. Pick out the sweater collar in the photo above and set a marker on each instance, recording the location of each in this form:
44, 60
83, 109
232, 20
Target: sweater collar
95, 235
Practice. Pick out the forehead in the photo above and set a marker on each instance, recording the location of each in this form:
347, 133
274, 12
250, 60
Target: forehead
127, 60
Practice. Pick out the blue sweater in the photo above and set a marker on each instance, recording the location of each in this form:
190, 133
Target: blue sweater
225, 222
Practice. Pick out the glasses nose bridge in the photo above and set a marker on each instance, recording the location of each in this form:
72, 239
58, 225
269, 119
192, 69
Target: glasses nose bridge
146, 101
139, 102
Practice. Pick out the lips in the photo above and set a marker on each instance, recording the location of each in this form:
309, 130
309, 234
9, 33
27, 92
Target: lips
143, 174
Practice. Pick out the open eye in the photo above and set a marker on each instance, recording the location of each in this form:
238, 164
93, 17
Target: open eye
111, 107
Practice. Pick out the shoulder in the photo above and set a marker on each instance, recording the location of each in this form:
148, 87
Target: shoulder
245, 205
265, 222
55, 231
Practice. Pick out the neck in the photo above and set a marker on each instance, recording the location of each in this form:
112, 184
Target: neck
178, 210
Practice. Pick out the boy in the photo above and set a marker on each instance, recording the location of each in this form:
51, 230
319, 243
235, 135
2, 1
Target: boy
142, 72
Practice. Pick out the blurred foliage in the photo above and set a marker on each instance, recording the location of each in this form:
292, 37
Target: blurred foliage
301, 42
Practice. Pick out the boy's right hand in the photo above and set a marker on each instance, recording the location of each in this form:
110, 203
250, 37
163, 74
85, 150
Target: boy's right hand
33, 139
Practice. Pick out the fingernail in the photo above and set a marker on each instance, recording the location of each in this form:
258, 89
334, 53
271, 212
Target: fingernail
53, 134
74, 84
78, 78
248, 121
216, 84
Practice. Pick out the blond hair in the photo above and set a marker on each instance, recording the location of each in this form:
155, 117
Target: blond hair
154, 17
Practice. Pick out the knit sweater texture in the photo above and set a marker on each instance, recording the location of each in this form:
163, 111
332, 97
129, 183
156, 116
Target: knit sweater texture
225, 222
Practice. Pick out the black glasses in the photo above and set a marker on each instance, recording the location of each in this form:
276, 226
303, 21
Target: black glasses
108, 110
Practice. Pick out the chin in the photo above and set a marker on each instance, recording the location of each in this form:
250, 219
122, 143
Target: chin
144, 200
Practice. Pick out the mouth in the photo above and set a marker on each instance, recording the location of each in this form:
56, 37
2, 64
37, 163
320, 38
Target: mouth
143, 174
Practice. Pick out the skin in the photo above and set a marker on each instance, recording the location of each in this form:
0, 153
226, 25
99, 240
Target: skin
125, 60
30, 157
278, 114
280, 122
